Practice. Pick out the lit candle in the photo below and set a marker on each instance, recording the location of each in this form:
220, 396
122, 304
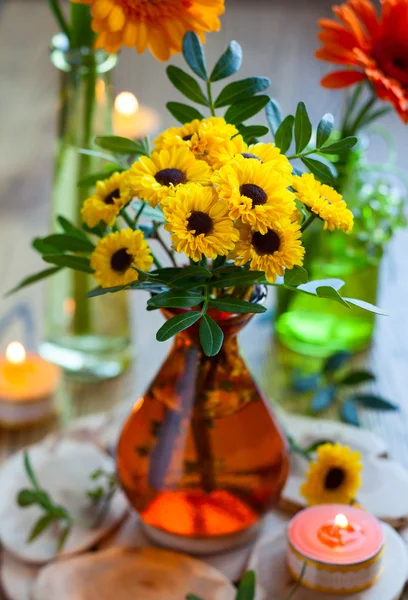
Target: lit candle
27, 385
341, 546
131, 119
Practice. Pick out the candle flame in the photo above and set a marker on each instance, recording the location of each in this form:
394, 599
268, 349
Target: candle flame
15, 353
341, 521
126, 103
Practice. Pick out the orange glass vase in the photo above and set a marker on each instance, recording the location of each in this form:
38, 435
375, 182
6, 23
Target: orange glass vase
201, 457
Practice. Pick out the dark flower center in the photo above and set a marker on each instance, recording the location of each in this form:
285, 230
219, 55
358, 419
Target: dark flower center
170, 177
200, 222
249, 155
110, 198
187, 138
267, 243
121, 260
334, 478
400, 63
254, 192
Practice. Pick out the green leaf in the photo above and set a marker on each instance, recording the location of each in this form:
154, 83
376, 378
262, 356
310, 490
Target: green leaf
336, 361
229, 62
93, 178
284, 134
177, 324
211, 336
367, 306
348, 412
323, 398
236, 305
97, 154
78, 263
183, 113
241, 90
40, 526
273, 115
118, 144
324, 129
192, 597
339, 146
252, 132
64, 536
26, 498
194, 54
246, 589
34, 278
319, 169
356, 377
69, 243
186, 84
375, 402
295, 276
313, 447
29, 470
99, 291
240, 112
312, 286
176, 299
155, 214
40, 246
305, 383
326, 291
238, 277
303, 127
191, 271
71, 229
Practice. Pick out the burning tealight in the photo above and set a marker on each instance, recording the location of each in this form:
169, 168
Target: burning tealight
131, 119
27, 385
341, 546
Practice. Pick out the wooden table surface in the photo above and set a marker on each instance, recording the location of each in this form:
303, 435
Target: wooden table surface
278, 38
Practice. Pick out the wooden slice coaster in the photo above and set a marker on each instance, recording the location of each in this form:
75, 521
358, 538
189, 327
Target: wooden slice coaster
307, 431
384, 492
269, 561
128, 574
64, 470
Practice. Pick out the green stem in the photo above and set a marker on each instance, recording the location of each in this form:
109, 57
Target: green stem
210, 99
81, 30
127, 219
82, 317
163, 244
298, 582
302, 154
138, 215
360, 117
308, 222
59, 15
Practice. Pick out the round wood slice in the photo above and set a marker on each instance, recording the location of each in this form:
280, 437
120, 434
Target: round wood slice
129, 574
232, 564
63, 468
269, 562
17, 578
384, 492
307, 430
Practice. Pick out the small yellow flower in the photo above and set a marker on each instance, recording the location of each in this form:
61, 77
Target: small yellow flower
157, 177
224, 153
116, 254
272, 252
107, 202
335, 476
255, 192
199, 222
204, 138
324, 201
265, 153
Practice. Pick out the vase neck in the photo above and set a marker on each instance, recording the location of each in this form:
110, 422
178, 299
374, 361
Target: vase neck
79, 60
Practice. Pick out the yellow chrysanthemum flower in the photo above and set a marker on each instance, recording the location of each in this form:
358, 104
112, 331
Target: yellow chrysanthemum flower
116, 254
265, 153
199, 223
324, 201
272, 252
335, 476
159, 25
157, 177
204, 138
107, 202
256, 193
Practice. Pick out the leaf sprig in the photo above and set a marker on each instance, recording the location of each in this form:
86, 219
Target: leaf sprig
54, 514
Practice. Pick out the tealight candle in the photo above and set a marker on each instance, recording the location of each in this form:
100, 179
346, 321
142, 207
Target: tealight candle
341, 546
27, 385
131, 119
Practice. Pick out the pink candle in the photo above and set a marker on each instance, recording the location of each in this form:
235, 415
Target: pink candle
340, 545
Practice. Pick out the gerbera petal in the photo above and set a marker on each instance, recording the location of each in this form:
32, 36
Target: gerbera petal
367, 15
341, 79
116, 18
349, 18
102, 8
158, 44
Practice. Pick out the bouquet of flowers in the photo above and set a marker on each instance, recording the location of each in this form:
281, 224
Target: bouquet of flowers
235, 208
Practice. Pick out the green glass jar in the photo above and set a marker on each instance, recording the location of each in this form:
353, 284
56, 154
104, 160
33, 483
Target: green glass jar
88, 337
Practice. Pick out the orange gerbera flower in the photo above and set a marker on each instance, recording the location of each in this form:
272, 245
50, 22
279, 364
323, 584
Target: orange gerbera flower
375, 47
159, 25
